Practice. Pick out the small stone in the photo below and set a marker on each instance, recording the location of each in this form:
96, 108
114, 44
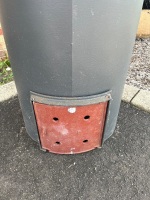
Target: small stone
148, 78
8, 69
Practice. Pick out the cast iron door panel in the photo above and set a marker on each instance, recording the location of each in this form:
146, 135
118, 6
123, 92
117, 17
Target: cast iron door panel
70, 130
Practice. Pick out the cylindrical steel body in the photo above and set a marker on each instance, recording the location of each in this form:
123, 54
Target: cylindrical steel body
70, 48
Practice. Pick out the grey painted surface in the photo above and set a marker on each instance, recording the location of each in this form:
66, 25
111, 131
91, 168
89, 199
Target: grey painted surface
70, 49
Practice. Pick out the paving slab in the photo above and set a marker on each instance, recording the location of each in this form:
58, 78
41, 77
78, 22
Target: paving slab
142, 100
129, 92
118, 171
144, 24
8, 91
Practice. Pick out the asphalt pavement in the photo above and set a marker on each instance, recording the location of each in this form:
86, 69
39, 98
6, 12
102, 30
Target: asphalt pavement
120, 170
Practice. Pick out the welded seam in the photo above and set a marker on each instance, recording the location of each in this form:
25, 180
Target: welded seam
71, 48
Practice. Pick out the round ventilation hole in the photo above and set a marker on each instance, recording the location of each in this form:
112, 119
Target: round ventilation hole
85, 141
55, 119
57, 142
87, 117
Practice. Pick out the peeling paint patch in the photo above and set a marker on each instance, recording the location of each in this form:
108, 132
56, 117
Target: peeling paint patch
72, 110
61, 129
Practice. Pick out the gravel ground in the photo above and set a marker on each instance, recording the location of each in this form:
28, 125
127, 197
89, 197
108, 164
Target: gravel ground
139, 71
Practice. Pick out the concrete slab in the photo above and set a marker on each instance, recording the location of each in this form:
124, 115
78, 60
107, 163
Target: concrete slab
7, 91
129, 92
144, 25
142, 100
118, 171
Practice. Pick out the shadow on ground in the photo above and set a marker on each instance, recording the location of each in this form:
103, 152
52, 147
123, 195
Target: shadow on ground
118, 171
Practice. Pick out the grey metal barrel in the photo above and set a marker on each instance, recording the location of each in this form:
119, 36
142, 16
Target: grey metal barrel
69, 54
